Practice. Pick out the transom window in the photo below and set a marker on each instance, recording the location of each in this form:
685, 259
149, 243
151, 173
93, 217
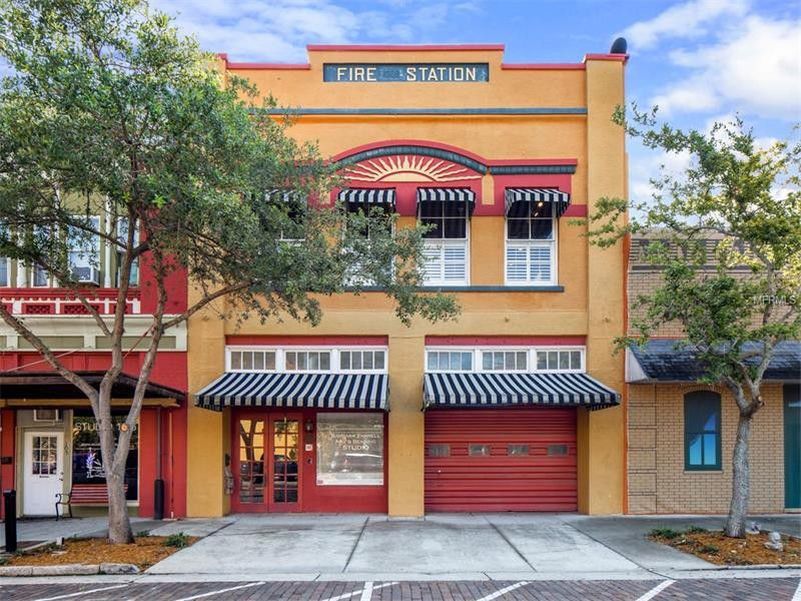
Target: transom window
530, 248
252, 360
504, 360
361, 360
561, 360
308, 361
702, 430
531, 359
449, 361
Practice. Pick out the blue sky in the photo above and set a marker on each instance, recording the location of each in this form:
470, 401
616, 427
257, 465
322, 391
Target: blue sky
699, 60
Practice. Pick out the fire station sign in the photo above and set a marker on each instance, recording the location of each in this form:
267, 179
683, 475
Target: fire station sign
405, 72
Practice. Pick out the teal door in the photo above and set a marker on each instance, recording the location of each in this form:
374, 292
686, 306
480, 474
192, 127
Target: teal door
792, 446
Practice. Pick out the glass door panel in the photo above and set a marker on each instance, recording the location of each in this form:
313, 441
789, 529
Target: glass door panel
285, 439
251, 461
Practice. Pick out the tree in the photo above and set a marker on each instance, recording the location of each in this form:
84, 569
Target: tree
748, 197
106, 110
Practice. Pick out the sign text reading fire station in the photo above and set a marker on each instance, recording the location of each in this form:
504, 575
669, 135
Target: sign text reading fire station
405, 72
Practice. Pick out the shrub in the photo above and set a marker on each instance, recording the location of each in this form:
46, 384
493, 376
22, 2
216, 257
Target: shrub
667, 533
696, 530
179, 541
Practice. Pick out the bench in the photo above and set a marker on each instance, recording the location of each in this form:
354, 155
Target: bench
84, 494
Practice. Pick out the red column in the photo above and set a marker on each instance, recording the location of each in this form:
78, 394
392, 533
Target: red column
8, 422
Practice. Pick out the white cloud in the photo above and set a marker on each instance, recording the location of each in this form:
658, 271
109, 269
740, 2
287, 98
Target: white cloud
688, 20
646, 164
279, 30
754, 67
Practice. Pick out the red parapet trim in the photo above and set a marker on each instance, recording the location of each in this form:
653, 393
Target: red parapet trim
320, 340
402, 47
506, 340
575, 211
542, 66
269, 66
606, 57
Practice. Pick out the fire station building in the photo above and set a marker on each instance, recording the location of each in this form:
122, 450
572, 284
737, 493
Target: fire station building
519, 404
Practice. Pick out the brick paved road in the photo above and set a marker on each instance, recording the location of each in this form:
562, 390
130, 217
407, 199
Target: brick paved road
740, 589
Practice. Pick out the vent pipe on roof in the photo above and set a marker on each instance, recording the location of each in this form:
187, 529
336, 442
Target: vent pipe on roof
619, 46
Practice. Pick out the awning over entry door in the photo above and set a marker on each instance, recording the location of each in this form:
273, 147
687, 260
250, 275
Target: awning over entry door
492, 389
296, 390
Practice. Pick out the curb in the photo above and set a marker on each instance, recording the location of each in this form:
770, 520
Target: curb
71, 569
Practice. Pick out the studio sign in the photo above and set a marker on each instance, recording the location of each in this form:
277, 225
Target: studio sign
406, 72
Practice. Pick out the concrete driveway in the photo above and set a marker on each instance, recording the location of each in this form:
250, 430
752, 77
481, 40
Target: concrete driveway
467, 546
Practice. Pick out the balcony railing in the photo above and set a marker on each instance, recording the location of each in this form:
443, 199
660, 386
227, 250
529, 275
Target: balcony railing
55, 301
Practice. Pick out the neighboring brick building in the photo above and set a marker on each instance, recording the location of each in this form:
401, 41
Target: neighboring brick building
681, 432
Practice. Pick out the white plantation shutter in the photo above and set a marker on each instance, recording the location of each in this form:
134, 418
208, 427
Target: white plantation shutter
529, 262
446, 263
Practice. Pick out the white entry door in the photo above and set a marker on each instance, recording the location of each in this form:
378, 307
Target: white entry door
44, 472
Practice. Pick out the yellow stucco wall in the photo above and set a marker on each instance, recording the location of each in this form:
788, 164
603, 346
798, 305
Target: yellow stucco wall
591, 304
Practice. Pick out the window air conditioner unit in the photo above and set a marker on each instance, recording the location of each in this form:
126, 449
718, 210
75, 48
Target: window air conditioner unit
86, 274
47, 415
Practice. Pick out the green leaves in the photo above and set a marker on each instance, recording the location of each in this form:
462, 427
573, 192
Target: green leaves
726, 235
107, 109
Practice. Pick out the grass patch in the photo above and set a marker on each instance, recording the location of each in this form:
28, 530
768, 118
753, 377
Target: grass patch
666, 533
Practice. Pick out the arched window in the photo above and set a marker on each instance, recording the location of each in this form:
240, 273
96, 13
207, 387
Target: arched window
702, 430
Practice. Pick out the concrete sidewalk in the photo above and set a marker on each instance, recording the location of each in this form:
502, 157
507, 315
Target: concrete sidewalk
467, 546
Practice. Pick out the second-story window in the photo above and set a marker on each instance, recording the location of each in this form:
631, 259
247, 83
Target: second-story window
446, 212
84, 251
530, 249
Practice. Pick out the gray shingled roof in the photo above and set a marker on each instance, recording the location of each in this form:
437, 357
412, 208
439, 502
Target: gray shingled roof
660, 360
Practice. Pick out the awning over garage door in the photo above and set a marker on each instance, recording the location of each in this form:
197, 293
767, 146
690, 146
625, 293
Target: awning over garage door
488, 389
315, 390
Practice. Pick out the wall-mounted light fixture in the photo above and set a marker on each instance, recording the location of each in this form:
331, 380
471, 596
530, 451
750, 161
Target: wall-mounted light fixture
309, 425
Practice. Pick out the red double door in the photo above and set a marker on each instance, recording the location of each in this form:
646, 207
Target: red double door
267, 465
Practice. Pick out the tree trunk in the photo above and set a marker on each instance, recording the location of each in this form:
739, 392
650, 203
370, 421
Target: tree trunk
738, 510
119, 525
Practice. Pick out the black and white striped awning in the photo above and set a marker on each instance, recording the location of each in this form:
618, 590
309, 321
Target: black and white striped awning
492, 389
312, 390
384, 197
559, 200
284, 195
446, 195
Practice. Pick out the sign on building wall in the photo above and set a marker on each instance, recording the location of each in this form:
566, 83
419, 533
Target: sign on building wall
406, 72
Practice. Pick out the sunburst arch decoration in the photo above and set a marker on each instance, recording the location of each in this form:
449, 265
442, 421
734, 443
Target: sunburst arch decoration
407, 168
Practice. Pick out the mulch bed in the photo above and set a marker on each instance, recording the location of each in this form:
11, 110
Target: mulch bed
719, 549
143, 552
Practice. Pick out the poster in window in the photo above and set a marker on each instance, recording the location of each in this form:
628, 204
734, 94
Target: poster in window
350, 449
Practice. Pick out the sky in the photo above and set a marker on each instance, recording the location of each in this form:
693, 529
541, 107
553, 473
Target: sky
700, 61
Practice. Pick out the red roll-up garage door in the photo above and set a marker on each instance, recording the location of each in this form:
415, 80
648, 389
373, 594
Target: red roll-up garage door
519, 459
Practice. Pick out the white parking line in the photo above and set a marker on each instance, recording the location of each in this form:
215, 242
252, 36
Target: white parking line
95, 590
219, 592
503, 591
366, 593
656, 590
797, 596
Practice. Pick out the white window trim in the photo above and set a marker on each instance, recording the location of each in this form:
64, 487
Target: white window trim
532, 358
554, 245
280, 358
97, 249
443, 241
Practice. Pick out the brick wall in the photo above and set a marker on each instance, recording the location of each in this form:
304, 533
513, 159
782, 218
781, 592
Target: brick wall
658, 482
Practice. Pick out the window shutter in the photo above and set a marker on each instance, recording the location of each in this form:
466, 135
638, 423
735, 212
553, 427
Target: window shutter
516, 267
432, 271
540, 266
455, 262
